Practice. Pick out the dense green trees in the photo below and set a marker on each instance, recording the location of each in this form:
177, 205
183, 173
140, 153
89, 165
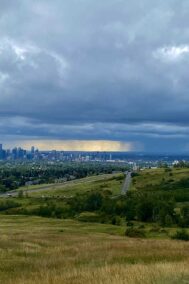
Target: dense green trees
134, 207
143, 207
13, 175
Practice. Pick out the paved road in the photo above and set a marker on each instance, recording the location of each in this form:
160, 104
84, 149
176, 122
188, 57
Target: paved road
54, 186
126, 184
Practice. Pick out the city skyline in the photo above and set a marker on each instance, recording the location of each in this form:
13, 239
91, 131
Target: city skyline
20, 154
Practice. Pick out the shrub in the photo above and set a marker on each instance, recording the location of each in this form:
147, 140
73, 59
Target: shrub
163, 231
155, 229
168, 220
141, 227
88, 217
116, 220
8, 204
130, 224
135, 233
181, 235
184, 219
145, 209
134, 174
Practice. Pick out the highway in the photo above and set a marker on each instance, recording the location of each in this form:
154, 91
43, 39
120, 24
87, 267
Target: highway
54, 186
41, 188
126, 184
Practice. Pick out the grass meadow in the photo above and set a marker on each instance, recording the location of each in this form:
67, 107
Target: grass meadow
155, 177
111, 182
36, 250
50, 251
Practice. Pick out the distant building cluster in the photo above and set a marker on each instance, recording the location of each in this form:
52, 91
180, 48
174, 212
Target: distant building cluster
18, 153
134, 160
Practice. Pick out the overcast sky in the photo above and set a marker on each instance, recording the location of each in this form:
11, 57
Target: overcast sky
114, 70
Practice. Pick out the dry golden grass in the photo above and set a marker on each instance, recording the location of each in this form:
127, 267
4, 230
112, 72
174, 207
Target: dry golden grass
36, 250
118, 274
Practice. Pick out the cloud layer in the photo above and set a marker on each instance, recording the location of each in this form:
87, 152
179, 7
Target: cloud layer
95, 70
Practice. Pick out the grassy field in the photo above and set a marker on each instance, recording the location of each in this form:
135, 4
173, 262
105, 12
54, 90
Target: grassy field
111, 182
155, 177
38, 250
35, 250
59, 195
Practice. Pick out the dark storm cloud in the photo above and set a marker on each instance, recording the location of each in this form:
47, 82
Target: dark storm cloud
82, 69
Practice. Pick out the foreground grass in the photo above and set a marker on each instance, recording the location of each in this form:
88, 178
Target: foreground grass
37, 250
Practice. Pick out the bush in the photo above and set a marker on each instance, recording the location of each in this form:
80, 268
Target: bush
155, 229
145, 209
8, 204
116, 220
184, 218
130, 224
163, 231
141, 227
168, 220
88, 217
135, 233
181, 235
134, 174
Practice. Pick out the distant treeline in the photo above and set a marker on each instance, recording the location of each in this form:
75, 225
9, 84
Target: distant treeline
16, 175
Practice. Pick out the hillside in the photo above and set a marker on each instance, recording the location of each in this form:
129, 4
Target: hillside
85, 231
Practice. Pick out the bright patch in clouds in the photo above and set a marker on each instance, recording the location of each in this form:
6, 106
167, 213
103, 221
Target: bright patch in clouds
171, 53
75, 145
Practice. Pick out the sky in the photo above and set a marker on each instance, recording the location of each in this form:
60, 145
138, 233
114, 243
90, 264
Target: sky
95, 75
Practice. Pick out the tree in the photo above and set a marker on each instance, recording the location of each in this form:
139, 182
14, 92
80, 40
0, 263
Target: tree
185, 216
144, 209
